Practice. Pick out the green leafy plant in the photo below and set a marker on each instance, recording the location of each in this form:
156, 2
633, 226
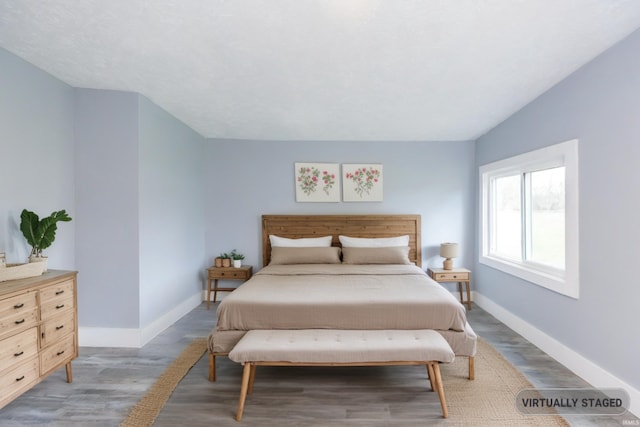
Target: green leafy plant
224, 255
40, 233
236, 255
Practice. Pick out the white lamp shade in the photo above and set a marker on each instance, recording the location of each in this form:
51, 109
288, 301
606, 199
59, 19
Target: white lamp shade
449, 250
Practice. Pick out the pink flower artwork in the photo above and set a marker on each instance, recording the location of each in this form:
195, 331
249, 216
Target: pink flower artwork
362, 183
316, 182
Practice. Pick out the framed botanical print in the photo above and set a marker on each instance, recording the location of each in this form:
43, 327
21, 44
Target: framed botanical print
362, 182
317, 182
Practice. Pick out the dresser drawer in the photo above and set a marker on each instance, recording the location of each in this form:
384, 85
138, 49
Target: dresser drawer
56, 292
451, 276
57, 354
54, 328
18, 348
18, 313
18, 304
55, 306
18, 322
18, 379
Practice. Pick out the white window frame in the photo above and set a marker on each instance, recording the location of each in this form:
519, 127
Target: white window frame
565, 282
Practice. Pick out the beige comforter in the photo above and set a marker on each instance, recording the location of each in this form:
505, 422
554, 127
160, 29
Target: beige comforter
340, 296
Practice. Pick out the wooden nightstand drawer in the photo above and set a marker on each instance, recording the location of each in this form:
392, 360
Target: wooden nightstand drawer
233, 274
441, 277
230, 273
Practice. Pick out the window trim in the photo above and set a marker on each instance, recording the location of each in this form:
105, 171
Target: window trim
565, 282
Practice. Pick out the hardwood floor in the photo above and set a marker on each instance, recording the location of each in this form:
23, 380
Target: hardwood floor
109, 381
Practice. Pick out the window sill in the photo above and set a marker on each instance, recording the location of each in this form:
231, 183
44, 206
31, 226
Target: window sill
561, 285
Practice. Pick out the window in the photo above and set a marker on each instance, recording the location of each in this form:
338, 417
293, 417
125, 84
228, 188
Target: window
529, 217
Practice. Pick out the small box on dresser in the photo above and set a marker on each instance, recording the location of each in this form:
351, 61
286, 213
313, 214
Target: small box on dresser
38, 330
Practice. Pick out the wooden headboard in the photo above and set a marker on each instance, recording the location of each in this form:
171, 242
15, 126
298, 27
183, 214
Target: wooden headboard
297, 226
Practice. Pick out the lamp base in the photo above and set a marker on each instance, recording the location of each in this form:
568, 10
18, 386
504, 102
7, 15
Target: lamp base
447, 264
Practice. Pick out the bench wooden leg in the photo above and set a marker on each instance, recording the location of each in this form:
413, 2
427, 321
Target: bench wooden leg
472, 368
246, 373
431, 376
212, 367
252, 377
440, 388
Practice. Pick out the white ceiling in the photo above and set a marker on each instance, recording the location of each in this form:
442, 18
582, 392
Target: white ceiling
368, 70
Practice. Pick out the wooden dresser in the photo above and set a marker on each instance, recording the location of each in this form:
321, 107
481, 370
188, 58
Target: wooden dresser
38, 330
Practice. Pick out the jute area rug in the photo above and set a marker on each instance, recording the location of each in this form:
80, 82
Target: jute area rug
148, 408
489, 400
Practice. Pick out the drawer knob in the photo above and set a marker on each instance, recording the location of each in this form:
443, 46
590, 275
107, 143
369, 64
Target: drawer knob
20, 379
18, 354
58, 307
17, 306
60, 353
18, 322
59, 327
60, 292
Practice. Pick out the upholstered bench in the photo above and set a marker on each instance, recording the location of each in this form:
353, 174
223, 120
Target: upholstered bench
328, 347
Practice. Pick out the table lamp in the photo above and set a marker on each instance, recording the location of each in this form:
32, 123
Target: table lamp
448, 251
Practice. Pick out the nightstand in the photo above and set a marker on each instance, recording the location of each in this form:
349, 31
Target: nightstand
460, 275
225, 273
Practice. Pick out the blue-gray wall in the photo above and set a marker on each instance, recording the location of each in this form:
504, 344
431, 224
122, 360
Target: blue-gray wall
599, 105
132, 178
140, 234
36, 157
246, 179
171, 212
107, 239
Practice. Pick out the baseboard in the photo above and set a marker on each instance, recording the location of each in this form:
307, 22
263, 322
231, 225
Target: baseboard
219, 297
578, 364
135, 338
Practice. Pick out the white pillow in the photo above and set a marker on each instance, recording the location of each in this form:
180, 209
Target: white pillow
300, 243
380, 242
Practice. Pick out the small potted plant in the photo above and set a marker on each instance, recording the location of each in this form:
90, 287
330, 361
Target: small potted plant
40, 233
237, 258
226, 259
218, 260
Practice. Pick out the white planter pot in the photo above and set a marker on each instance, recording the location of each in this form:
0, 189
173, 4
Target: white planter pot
237, 263
39, 259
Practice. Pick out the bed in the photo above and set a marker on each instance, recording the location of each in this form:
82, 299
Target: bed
362, 289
